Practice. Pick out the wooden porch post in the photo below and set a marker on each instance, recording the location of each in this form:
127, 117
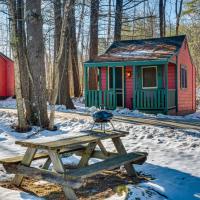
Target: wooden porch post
114, 88
166, 88
134, 88
86, 84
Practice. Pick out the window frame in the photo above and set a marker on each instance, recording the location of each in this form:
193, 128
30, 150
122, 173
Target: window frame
185, 84
146, 88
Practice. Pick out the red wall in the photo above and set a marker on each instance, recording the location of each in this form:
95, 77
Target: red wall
171, 76
10, 78
186, 97
129, 88
103, 78
3, 77
6, 77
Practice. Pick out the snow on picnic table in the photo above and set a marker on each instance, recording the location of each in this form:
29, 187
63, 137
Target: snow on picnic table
173, 160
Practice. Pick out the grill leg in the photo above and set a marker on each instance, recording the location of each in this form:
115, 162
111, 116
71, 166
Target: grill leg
112, 125
93, 125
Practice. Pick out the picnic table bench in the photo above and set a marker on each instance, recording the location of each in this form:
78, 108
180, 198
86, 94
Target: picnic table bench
84, 146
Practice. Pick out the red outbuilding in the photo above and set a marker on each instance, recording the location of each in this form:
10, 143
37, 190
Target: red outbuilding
154, 75
7, 86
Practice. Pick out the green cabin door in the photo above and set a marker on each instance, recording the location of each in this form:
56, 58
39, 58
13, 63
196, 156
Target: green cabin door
119, 84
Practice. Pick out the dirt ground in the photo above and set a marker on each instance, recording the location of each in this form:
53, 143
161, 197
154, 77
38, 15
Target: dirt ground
98, 187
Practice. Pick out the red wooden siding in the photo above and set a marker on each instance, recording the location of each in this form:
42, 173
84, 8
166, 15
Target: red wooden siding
6, 77
10, 79
186, 97
3, 77
103, 78
171, 76
129, 88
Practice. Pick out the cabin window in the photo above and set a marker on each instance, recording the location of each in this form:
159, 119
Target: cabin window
149, 77
183, 78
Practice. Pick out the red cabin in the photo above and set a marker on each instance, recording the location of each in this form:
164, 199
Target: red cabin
6, 77
152, 75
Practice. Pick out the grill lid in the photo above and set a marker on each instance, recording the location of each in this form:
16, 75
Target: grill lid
102, 116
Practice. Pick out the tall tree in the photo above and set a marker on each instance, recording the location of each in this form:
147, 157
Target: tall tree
74, 52
35, 52
109, 23
64, 83
162, 21
178, 10
118, 20
58, 61
93, 52
23, 63
17, 48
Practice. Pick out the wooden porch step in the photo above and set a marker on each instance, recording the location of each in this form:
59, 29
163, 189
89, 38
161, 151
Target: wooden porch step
109, 164
18, 159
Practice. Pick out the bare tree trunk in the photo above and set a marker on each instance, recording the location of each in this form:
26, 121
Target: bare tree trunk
22, 61
58, 61
16, 44
118, 20
64, 83
80, 26
35, 52
94, 18
178, 14
161, 18
74, 53
109, 23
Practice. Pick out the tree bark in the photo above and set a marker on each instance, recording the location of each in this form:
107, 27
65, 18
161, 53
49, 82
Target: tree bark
74, 52
93, 52
16, 44
109, 24
178, 14
35, 53
118, 20
25, 82
161, 18
64, 83
58, 61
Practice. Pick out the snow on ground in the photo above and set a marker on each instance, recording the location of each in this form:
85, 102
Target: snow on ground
173, 160
6, 194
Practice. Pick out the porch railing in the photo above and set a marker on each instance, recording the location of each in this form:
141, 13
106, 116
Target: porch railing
150, 99
101, 98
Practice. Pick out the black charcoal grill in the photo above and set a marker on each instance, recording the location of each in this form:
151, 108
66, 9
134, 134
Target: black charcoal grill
102, 117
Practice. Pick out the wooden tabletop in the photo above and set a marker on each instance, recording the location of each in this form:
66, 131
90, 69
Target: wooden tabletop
90, 136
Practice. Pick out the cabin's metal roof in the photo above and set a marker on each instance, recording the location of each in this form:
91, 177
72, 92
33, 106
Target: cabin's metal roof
141, 50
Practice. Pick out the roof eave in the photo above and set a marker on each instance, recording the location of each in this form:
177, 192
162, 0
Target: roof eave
126, 63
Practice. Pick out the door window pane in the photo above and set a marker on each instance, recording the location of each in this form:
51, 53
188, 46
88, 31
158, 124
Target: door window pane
149, 77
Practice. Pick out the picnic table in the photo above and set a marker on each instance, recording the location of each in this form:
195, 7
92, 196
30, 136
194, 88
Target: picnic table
85, 146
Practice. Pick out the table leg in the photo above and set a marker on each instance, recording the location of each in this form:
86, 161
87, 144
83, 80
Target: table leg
103, 149
87, 154
28, 157
121, 150
47, 163
58, 166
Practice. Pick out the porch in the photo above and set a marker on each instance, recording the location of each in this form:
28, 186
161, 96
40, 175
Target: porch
145, 86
